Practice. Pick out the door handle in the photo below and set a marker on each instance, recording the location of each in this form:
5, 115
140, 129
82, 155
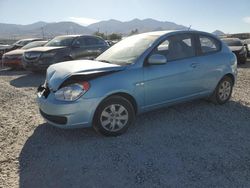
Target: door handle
194, 65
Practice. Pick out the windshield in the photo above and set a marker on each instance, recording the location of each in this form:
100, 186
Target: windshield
21, 43
247, 41
232, 42
60, 41
34, 44
127, 50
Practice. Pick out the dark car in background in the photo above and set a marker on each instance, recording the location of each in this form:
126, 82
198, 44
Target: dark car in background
64, 48
13, 58
247, 44
237, 47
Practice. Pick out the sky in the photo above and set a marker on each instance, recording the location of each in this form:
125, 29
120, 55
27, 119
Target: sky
229, 16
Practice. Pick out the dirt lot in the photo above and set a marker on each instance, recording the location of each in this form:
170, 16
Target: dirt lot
196, 144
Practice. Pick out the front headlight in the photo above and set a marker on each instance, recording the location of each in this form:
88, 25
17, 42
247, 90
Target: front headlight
48, 54
72, 92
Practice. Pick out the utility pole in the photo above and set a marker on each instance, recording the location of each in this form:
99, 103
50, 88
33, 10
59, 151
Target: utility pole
42, 32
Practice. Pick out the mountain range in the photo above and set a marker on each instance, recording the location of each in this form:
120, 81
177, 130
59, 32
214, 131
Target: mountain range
126, 27
50, 30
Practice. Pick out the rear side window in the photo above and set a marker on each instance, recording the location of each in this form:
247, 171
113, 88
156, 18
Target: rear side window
89, 41
208, 44
177, 47
93, 41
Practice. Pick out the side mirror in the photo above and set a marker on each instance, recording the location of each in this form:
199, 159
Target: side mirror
157, 59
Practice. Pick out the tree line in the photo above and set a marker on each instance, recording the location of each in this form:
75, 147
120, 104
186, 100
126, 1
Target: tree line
114, 36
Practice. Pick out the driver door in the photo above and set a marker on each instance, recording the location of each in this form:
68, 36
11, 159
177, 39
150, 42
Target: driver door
176, 80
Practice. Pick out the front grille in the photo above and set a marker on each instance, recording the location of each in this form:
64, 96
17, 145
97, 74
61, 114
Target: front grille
32, 55
54, 119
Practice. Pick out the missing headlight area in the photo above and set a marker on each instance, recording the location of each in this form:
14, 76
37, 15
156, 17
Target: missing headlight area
43, 90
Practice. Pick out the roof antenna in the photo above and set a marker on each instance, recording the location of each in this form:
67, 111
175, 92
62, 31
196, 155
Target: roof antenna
189, 27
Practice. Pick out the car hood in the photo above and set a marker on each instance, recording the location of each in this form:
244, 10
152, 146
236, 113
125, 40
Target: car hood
235, 48
5, 47
58, 73
15, 52
44, 48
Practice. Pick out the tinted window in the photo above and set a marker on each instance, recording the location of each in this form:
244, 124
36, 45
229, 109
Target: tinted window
177, 47
208, 44
80, 42
90, 41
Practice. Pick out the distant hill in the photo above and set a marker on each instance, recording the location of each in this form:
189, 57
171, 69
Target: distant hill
218, 32
49, 30
145, 25
61, 28
39, 29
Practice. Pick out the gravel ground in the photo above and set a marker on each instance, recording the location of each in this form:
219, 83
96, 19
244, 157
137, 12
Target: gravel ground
195, 144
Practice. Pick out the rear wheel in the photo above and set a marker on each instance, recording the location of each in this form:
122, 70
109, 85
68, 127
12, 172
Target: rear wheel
223, 91
114, 115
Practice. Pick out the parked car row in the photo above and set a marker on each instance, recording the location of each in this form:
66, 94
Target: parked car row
40, 55
13, 58
238, 48
16, 45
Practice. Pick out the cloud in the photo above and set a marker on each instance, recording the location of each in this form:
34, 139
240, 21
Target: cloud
246, 19
83, 21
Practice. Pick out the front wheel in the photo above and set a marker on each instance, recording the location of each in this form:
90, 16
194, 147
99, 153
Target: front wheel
113, 116
223, 91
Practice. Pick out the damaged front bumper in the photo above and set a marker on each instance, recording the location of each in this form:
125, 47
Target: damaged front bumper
64, 114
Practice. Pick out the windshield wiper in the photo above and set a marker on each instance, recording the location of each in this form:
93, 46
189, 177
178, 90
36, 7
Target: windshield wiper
105, 61
121, 63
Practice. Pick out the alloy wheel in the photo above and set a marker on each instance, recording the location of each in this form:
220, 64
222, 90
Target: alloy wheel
114, 117
224, 90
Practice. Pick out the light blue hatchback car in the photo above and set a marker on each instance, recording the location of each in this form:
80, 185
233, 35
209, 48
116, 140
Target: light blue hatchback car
141, 73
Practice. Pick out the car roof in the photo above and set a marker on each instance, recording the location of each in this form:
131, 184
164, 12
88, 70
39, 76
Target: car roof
28, 39
39, 41
77, 36
236, 39
162, 33
67, 36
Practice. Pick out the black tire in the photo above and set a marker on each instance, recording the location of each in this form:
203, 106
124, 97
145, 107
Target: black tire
243, 61
217, 98
119, 103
